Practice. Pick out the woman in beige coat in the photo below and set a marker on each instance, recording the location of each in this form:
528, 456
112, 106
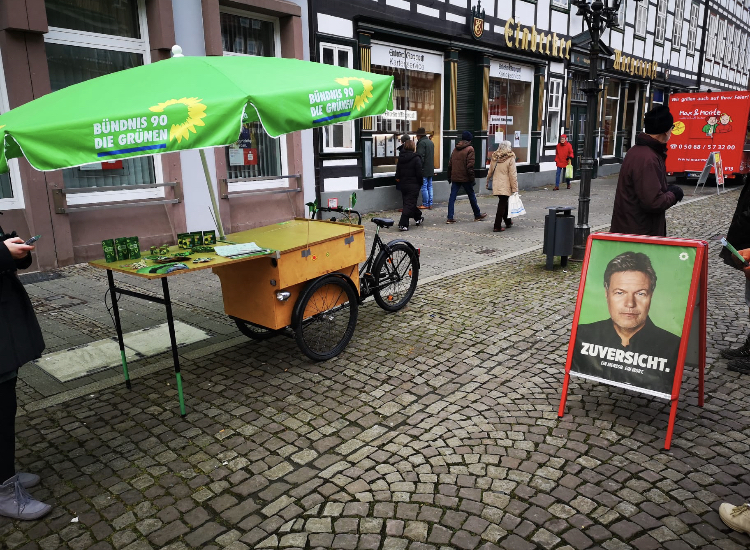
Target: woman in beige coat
504, 180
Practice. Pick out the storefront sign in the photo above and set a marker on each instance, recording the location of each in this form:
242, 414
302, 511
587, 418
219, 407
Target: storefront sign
389, 55
511, 71
501, 119
580, 60
477, 21
521, 38
634, 66
400, 114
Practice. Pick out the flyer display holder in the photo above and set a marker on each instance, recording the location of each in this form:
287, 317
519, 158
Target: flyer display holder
657, 373
713, 160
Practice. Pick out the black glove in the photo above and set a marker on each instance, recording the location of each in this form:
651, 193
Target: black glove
677, 191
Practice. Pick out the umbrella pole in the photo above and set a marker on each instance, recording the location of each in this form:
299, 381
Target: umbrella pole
210, 184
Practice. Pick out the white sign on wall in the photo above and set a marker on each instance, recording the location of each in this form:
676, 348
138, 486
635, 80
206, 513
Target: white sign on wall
511, 71
501, 119
400, 114
391, 55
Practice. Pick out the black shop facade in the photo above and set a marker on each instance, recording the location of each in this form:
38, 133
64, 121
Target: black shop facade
453, 71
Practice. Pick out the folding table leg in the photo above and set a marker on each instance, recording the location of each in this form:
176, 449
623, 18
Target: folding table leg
118, 327
173, 339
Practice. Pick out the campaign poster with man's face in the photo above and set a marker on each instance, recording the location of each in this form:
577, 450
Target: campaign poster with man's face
632, 313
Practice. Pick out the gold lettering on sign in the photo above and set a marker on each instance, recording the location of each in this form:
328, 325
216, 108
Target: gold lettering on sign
523, 38
632, 65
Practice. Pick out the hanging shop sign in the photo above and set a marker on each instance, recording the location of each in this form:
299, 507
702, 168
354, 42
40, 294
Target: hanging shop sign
634, 66
401, 57
523, 38
477, 21
511, 71
399, 114
580, 60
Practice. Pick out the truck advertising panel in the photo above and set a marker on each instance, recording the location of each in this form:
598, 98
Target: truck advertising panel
705, 123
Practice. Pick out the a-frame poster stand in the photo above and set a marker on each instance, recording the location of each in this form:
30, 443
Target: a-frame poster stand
713, 160
652, 380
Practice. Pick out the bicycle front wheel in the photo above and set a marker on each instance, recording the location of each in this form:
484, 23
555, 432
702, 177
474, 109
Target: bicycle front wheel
326, 317
396, 274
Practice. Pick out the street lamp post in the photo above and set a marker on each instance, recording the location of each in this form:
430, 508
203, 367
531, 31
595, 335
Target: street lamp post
598, 17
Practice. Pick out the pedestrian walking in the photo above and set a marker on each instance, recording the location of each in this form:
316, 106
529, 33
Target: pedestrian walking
426, 151
563, 156
20, 341
409, 178
642, 195
739, 237
502, 178
461, 174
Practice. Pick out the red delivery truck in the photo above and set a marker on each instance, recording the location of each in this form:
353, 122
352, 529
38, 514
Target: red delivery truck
705, 123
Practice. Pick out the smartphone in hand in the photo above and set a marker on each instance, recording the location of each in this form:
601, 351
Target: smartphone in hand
32, 240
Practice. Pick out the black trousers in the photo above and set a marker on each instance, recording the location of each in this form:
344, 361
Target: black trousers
502, 212
410, 194
7, 429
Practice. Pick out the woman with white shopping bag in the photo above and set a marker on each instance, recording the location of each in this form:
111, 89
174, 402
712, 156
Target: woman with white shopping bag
502, 178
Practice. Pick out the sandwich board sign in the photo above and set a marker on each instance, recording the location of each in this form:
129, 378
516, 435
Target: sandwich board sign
713, 161
637, 301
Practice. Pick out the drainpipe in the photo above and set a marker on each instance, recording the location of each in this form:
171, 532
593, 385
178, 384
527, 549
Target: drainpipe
704, 43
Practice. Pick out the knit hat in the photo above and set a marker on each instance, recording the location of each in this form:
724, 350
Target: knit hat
658, 120
405, 138
466, 136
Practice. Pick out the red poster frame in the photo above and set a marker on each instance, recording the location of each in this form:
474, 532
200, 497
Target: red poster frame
698, 284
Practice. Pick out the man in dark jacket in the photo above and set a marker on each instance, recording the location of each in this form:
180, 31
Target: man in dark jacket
461, 174
409, 179
20, 341
642, 195
739, 237
426, 151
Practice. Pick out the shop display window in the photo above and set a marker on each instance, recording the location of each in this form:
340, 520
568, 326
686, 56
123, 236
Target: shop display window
255, 154
509, 116
88, 39
609, 119
417, 103
628, 114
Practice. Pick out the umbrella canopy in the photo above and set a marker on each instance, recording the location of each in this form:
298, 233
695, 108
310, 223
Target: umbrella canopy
185, 103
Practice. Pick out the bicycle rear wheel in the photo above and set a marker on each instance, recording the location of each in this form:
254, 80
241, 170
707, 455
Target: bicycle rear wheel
396, 274
325, 317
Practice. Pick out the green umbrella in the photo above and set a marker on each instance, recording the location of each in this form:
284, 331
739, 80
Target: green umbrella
185, 103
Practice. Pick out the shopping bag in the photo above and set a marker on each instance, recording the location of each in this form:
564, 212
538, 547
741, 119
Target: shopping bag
569, 172
515, 206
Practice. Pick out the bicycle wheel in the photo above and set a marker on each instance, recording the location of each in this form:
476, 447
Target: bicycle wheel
396, 276
326, 314
256, 332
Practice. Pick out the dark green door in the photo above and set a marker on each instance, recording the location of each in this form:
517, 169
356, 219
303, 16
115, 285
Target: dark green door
578, 130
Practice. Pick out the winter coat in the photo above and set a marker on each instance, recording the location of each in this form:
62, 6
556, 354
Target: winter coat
408, 169
461, 164
739, 230
426, 151
642, 197
563, 153
503, 173
20, 336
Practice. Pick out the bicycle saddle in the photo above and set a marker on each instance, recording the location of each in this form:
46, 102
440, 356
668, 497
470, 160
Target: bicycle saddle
382, 222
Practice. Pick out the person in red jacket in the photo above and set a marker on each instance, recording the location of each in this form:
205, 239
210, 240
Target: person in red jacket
563, 155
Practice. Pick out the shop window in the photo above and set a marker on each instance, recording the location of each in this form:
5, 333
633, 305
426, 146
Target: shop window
657, 98
641, 16
679, 14
337, 137
713, 25
510, 108
88, 39
417, 102
661, 21
255, 154
628, 115
609, 118
553, 111
721, 39
578, 83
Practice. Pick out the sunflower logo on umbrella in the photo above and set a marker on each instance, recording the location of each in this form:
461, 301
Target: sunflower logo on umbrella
195, 112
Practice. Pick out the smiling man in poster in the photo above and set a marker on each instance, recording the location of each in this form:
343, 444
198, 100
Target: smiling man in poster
628, 348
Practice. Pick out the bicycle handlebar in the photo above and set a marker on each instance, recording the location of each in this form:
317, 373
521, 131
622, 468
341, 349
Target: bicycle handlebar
340, 210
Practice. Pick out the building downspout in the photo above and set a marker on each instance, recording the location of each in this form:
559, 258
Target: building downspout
704, 44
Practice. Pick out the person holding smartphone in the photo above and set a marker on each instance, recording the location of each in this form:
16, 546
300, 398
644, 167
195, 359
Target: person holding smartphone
21, 341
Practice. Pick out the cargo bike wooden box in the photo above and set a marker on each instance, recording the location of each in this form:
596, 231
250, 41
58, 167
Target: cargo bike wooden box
308, 287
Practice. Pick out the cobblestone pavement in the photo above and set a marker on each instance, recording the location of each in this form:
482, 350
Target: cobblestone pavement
445, 438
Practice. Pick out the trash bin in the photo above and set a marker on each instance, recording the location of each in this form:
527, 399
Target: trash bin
559, 226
